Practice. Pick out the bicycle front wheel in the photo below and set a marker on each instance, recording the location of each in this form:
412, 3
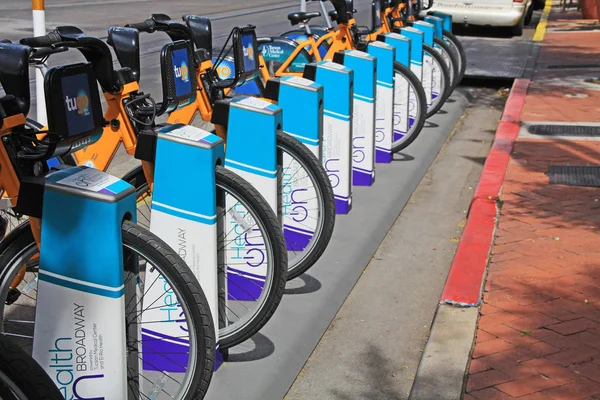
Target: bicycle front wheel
158, 366
450, 59
440, 80
459, 52
410, 107
252, 260
21, 377
307, 204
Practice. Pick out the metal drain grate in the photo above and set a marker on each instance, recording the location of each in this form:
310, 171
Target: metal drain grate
495, 58
564, 130
574, 176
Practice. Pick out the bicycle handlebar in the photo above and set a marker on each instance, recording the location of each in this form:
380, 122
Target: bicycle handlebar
42, 41
162, 22
147, 26
93, 49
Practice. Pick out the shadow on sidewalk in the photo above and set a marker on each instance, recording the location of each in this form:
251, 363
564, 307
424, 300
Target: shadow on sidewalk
380, 375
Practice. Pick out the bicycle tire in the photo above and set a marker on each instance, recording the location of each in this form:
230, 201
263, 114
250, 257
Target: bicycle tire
403, 72
229, 182
21, 370
450, 59
438, 63
459, 52
176, 274
322, 185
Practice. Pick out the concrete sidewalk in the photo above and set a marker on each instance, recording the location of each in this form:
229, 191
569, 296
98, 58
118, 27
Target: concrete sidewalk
538, 336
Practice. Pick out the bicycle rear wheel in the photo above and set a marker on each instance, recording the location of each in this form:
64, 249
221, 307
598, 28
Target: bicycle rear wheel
182, 370
410, 107
251, 254
441, 76
21, 377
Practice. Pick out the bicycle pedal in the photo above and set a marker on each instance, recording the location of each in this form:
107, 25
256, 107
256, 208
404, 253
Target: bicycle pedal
12, 296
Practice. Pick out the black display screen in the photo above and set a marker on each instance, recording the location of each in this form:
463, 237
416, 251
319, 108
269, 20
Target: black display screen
78, 108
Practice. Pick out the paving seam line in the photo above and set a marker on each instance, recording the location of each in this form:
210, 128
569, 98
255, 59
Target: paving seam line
540, 30
467, 273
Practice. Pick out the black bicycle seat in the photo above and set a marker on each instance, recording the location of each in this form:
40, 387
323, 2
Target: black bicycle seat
300, 16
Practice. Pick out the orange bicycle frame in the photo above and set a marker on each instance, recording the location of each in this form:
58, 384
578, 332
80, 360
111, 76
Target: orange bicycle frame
100, 154
341, 40
10, 184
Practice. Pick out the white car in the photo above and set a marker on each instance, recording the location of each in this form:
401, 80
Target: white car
506, 13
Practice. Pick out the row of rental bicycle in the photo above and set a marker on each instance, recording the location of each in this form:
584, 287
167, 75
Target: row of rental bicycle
136, 287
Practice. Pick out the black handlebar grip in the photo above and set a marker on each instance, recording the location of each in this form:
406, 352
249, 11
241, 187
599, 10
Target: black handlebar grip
145, 26
42, 41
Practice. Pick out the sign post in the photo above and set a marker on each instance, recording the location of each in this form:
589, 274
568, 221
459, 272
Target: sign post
39, 29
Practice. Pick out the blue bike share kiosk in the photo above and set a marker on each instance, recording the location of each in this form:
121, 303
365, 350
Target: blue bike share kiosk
184, 215
404, 102
416, 59
246, 264
385, 55
338, 86
438, 25
80, 293
429, 72
363, 114
445, 17
302, 103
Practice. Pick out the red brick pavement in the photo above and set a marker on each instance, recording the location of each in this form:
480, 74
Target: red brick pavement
538, 335
564, 94
539, 330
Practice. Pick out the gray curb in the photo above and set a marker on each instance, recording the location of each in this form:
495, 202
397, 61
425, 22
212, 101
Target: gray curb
441, 373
